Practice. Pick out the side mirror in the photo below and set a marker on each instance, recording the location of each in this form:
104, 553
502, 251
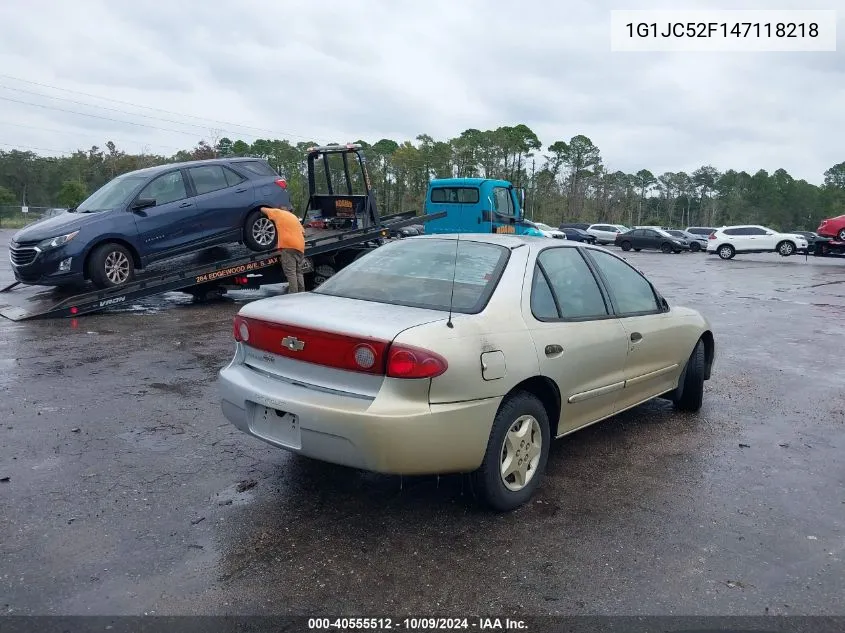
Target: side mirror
143, 203
664, 305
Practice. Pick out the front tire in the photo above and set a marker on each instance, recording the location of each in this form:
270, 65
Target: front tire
259, 232
841, 235
726, 251
690, 393
111, 265
785, 249
626, 246
516, 454
666, 247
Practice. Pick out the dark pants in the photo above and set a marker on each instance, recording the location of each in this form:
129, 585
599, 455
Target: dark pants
292, 261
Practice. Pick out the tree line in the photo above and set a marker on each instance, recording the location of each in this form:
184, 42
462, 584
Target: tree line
566, 181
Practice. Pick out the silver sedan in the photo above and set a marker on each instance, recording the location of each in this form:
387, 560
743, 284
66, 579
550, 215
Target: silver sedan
446, 354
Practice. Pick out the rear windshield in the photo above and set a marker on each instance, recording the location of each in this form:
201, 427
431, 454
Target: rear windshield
418, 273
455, 195
257, 167
700, 231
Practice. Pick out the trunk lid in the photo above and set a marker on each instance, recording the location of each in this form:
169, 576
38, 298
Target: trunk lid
313, 340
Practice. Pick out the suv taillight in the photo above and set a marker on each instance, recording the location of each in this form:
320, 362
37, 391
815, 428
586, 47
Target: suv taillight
712, 236
282, 183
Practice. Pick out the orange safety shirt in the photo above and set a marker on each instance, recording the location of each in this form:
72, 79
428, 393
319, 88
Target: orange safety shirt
289, 229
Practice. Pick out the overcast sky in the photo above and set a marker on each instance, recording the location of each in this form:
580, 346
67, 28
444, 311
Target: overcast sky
329, 71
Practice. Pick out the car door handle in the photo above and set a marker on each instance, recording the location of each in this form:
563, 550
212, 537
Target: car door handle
241, 190
636, 337
185, 204
553, 350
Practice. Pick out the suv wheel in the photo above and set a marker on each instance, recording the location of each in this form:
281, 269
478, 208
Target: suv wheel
726, 251
259, 232
111, 265
786, 248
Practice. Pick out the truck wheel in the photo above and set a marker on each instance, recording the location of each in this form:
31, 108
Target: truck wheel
111, 265
626, 246
516, 454
259, 232
322, 273
726, 251
786, 248
666, 247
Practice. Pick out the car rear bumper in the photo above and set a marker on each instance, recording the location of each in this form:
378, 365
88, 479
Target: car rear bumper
386, 435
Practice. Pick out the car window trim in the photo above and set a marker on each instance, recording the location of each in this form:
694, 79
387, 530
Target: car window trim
617, 313
562, 319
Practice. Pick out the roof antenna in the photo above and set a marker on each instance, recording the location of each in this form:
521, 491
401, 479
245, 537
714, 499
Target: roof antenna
454, 274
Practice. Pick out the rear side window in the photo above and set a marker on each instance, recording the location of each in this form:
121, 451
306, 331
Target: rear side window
454, 195
734, 232
419, 273
562, 275
208, 178
257, 167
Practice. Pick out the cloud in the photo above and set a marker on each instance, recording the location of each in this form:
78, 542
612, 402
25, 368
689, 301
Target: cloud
339, 71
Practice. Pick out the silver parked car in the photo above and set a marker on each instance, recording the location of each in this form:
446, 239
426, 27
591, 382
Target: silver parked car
438, 354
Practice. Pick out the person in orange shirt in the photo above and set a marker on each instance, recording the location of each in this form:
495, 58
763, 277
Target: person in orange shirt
290, 236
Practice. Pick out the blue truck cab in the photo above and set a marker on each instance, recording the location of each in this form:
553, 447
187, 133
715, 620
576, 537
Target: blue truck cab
476, 205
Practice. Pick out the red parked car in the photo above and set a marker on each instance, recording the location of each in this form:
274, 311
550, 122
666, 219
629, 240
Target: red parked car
833, 227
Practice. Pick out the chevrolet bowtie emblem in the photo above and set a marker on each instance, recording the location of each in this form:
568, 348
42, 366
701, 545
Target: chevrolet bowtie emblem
293, 344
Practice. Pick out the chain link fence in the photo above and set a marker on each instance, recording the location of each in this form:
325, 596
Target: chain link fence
16, 217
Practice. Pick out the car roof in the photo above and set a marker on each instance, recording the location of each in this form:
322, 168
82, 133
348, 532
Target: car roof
509, 240
466, 182
151, 171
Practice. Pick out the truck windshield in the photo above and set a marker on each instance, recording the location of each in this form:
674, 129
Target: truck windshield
112, 194
418, 273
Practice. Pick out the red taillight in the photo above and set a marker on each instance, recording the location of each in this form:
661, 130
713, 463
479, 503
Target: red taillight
341, 351
240, 329
282, 183
412, 362
712, 236
353, 353
74, 310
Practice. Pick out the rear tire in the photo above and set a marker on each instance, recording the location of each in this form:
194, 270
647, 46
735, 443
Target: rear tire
786, 248
520, 425
666, 247
626, 246
726, 251
111, 265
694, 247
259, 232
690, 393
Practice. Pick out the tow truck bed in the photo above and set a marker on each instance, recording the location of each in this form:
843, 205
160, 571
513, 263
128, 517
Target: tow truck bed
220, 267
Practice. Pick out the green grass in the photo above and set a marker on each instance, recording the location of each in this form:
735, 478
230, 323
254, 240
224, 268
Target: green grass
16, 222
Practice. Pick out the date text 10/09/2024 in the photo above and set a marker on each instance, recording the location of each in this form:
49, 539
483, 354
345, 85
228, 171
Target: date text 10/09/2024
416, 624
723, 29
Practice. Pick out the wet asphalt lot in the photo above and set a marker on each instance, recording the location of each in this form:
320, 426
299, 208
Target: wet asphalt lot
126, 492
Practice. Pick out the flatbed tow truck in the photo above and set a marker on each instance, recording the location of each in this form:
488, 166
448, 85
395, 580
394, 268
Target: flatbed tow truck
339, 228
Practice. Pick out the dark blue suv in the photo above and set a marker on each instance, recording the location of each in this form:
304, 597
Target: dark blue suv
149, 215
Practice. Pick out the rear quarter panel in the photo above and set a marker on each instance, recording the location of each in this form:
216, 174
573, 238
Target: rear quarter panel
500, 327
